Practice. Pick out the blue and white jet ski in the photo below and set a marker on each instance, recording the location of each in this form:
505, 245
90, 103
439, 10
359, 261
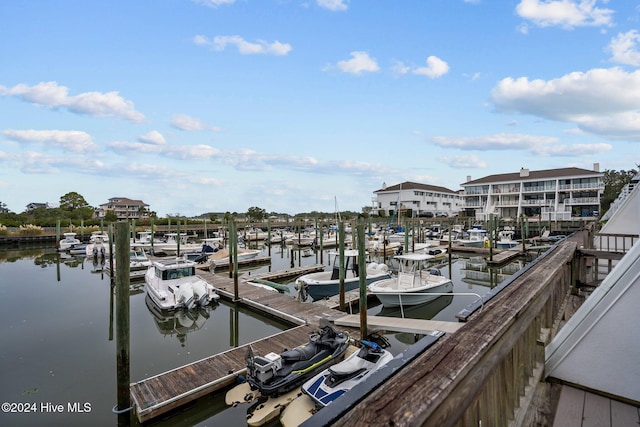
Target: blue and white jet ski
333, 382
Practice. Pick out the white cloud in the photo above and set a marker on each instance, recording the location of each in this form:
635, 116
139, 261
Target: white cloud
564, 13
154, 137
624, 48
359, 62
126, 148
500, 141
188, 123
335, 5
537, 145
214, 3
461, 162
572, 150
601, 101
72, 140
96, 104
243, 46
435, 68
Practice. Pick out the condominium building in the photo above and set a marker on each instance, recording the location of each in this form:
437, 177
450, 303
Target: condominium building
554, 194
124, 208
414, 199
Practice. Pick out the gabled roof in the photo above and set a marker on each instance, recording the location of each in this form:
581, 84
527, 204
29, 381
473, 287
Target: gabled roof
407, 185
125, 201
534, 176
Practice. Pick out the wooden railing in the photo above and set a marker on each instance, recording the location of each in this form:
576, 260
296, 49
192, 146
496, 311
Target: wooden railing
478, 375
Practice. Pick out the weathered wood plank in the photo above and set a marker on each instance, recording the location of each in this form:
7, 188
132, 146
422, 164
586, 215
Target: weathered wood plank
623, 415
570, 408
597, 411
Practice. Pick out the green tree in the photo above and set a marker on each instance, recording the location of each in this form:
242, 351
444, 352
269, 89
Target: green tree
256, 214
614, 181
110, 216
75, 206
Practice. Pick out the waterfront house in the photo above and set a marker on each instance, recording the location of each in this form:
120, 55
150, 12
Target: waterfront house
416, 200
553, 194
124, 209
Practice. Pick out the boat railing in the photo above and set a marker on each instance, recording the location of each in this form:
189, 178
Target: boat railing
440, 294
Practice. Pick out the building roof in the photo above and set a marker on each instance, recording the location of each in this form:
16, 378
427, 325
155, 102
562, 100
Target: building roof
125, 201
407, 185
598, 348
534, 176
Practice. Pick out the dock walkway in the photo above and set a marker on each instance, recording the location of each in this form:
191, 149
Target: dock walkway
161, 393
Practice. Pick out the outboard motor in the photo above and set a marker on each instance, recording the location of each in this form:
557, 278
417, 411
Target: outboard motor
435, 272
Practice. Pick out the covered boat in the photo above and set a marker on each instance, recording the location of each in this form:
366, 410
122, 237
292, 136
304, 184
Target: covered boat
333, 382
414, 283
324, 284
172, 284
275, 374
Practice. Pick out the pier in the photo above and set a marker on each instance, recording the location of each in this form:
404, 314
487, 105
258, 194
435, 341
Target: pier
488, 369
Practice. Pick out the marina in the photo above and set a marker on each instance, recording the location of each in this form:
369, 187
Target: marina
163, 395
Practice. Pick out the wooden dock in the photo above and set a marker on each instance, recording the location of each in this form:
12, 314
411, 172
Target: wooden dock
288, 273
167, 391
505, 256
414, 326
162, 393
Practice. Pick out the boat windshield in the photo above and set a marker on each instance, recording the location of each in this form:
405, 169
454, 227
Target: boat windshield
175, 273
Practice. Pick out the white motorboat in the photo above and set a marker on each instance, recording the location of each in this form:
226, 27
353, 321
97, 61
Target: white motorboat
98, 245
169, 244
68, 241
172, 284
333, 382
324, 284
414, 283
221, 257
476, 237
139, 263
505, 239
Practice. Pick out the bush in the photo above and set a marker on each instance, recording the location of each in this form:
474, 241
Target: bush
30, 230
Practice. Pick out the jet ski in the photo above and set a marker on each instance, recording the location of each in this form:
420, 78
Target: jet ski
333, 382
276, 374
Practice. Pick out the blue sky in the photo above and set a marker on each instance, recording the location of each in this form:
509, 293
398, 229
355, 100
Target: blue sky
196, 106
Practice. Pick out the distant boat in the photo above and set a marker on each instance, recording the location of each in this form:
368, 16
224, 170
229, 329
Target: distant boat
221, 257
476, 237
98, 245
172, 284
68, 241
413, 285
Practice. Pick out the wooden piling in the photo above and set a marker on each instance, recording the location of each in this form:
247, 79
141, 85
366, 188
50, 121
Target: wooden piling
122, 315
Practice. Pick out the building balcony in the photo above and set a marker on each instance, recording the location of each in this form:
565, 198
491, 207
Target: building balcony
582, 201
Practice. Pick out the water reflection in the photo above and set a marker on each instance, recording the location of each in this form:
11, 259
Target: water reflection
180, 322
427, 310
476, 271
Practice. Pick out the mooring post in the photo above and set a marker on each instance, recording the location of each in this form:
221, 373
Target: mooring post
341, 266
122, 317
236, 294
58, 233
362, 275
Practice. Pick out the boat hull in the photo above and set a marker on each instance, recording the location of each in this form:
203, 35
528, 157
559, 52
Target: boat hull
328, 288
395, 298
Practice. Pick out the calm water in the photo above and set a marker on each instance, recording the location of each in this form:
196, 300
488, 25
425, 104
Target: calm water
58, 337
